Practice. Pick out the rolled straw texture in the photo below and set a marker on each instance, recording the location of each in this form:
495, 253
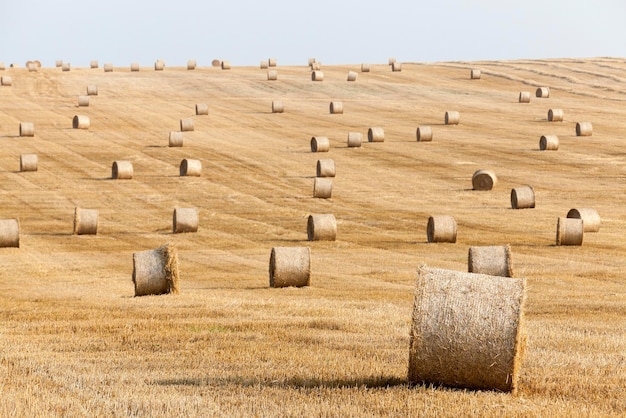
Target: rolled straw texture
542, 92
28, 162
452, 117
317, 75
176, 139
6, 80
155, 272
202, 109
549, 143
441, 228
278, 106
524, 97
311, 61
492, 260
569, 231
186, 125
315, 66
365, 68
290, 266
225, 65
191, 64
352, 75
216, 63
391, 60
336, 108
185, 220
272, 75
122, 170
320, 144
9, 233
27, 129
325, 168
80, 122
584, 129
321, 227
475, 74
191, 168
134, 66
376, 134
159, 65
85, 221
92, 90
484, 180
396, 66
31, 66
522, 198
424, 133
93, 64
58, 63
591, 218
467, 330
271, 62
323, 188
83, 101
66, 66
354, 139
555, 115
108, 68
264, 65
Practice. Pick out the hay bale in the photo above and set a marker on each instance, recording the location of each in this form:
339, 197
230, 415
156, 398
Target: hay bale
320, 144
85, 221
277, 106
58, 63
225, 65
185, 220
316, 66
317, 76
522, 198
549, 143
467, 330
65, 66
28, 162
190, 168
321, 227
484, 180
271, 62
569, 231
475, 74
424, 133
354, 139
272, 75
216, 63
83, 101
543, 92
376, 134
396, 66
336, 108
441, 228
491, 260
311, 61
452, 117
325, 168
93, 64
9, 233
391, 60
92, 90
555, 115
352, 75
134, 66
202, 109
6, 80
584, 129
155, 272
27, 129
175, 139
80, 122
191, 64
122, 170
31, 66
365, 68
591, 218
290, 266
323, 188
159, 65
524, 97
264, 65
186, 125
108, 68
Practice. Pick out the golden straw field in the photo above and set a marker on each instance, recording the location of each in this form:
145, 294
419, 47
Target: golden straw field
74, 341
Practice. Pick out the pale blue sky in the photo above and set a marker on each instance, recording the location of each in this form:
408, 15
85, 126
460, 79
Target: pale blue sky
334, 32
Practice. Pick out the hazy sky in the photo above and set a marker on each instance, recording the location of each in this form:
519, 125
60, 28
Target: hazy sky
333, 31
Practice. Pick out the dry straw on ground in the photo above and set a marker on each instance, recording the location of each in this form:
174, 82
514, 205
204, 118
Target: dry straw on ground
325, 168
278, 106
584, 129
80, 122
320, 144
549, 143
452, 117
475, 74
290, 266
441, 228
424, 133
524, 97
354, 139
155, 272
484, 180
569, 231
376, 134
27, 129
542, 92
28, 162
122, 170
191, 168
9, 233
555, 115
467, 330
321, 227
185, 220
336, 108
590, 217
522, 198
83, 101
323, 188
186, 125
202, 109
175, 139
493, 260
85, 221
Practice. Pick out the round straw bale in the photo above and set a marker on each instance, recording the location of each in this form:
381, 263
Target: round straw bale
225, 65
277, 106
591, 218
569, 231
122, 170
396, 66
290, 266
202, 109
524, 97
311, 61
93, 64
441, 228
37, 63
376, 134
191, 168
186, 125
80, 122
522, 198
271, 62
336, 108
365, 68
191, 64
475, 74
27, 129
492, 260
9, 233
584, 129
424, 133
264, 65
391, 60
185, 220
321, 227
549, 143
85, 221
272, 75
108, 68
316, 66
92, 90
467, 330
175, 139
159, 65
323, 188
317, 76
484, 180
58, 63
83, 101
216, 63
325, 168
354, 139
452, 117
31, 66
155, 272
134, 66
320, 144
66, 66
352, 75
543, 92
6, 80
28, 162
555, 115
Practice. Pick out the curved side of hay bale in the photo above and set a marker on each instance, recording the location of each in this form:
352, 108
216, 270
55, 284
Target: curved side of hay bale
271, 62
66, 66
549, 143
316, 66
28, 162
441, 228
524, 97
336, 108
591, 218
93, 64
424, 133
467, 330
202, 109
278, 106
569, 231
155, 272
108, 68
396, 66
6, 80
376, 134
27, 129
321, 227
522, 198
484, 180
134, 66
159, 65
325, 168
92, 90
542, 92
9, 233
186, 125
323, 188
272, 75
452, 117
185, 220
191, 168
263, 65
225, 65
83, 101
584, 129
58, 63
365, 68
491, 260
122, 170
176, 139
354, 139
320, 144
317, 76
352, 75
31, 66
311, 61
555, 115
475, 74
80, 122
191, 64
85, 221
290, 266
216, 63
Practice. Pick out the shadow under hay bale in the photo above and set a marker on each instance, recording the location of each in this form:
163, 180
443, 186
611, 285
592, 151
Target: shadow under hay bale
28, 162
491, 260
155, 272
549, 143
325, 168
323, 188
424, 133
569, 231
85, 221
122, 170
320, 144
354, 139
522, 198
484, 180
590, 217
321, 227
190, 168
9, 233
290, 266
441, 228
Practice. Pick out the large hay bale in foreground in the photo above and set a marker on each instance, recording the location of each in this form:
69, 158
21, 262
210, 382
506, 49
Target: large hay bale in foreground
484, 180
191, 168
27, 129
441, 228
569, 231
122, 170
80, 122
320, 144
9, 233
28, 162
584, 129
452, 117
323, 188
522, 197
85, 221
524, 97
325, 168
185, 220
155, 272
186, 125
467, 330
494, 260
542, 92
321, 227
591, 218
555, 115
549, 143
354, 139
376, 134
424, 133
290, 266
176, 139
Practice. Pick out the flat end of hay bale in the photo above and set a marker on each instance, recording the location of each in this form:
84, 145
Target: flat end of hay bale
484, 180
569, 231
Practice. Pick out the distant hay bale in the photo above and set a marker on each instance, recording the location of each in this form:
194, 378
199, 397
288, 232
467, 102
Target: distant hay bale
555, 115
186, 125
591, 218
452, 117
31, 66
108, 68
85, 221
202, 109
584, 129
376, 134
522, 198
475, 74
225, 65
467, 330
83, 101
122, 170
290, 266
185, 220
441, 228
92, 90
27, 129
323, 188
272, 75
191, 64
311, 61
271, 62
9, 233
190, 168
175, 139
155, 272
80, 122
325, 168
159, 65
58, 63
134, 66
28, 162
320, 144
354, 139
278, 106
316, 66
484, 180
396, 66
569, 231
524, 97
365, 68
66, 66
336, 108
317, 76
492, 260
391, 60
424, 133
93, 64
216, 63
549, 143
264, 65
6, 80
543, 92
352, 75
321, 227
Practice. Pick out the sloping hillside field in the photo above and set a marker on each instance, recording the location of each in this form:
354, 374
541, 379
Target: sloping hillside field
75, 341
